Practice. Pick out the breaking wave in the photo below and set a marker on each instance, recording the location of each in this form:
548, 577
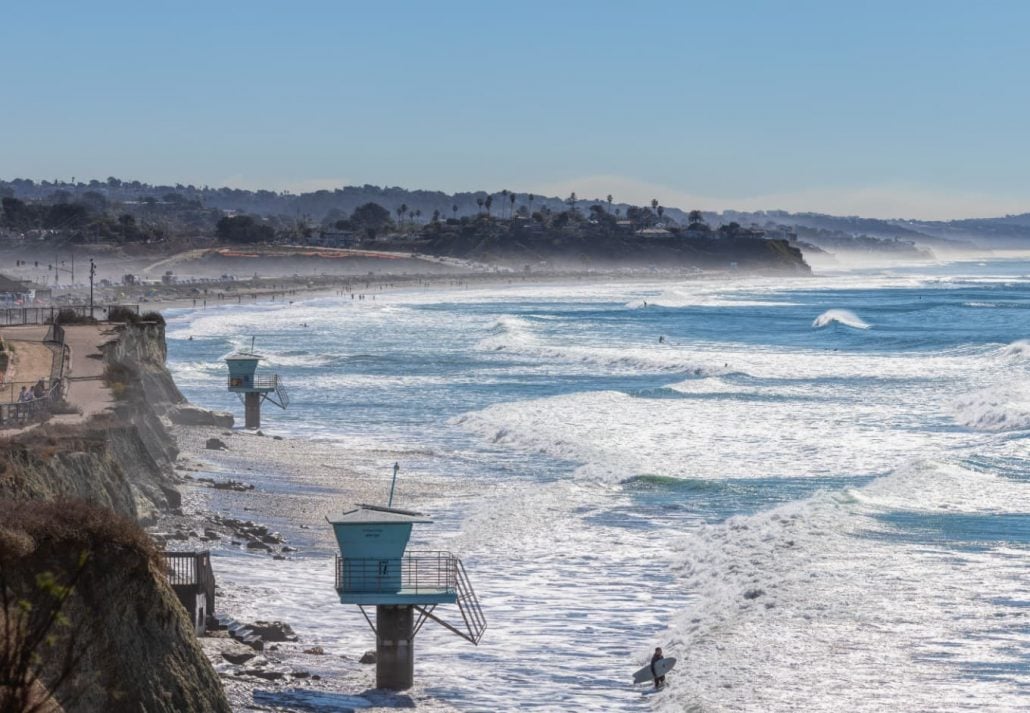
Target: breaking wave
840, 316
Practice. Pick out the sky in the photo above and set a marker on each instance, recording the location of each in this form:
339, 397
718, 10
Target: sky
882, 109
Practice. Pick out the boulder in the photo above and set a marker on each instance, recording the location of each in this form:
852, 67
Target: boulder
215, 444
238, 654
368, 657
190, 415
273, 631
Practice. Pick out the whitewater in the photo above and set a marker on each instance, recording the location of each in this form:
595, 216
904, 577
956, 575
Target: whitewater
812, 491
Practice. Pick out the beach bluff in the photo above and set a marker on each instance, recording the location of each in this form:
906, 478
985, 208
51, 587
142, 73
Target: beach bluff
83, 586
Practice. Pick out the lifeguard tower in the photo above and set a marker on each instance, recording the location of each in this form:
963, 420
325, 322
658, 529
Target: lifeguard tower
254, 389
374, 568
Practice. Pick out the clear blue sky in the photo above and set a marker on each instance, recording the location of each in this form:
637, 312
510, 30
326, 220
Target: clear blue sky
895, 108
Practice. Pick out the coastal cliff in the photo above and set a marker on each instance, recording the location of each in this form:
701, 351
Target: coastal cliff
77, 487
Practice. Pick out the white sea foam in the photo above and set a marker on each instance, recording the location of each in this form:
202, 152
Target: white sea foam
999, 408
799, 608
840, 316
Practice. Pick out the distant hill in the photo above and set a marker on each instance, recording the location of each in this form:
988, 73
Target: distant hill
328, 206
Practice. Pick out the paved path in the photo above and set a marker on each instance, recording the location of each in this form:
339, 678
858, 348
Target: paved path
85, 370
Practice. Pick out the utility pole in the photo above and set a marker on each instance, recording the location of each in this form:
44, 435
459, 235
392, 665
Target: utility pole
92, 273
396, 467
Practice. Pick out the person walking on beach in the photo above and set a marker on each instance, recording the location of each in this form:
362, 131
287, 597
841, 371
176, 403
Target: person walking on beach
659, 681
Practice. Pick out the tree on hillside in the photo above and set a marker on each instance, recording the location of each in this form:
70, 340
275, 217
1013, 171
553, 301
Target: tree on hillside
504, 194
661, 211
571, 201
609, 204
479, 202
531, 197
454, 210
489, 201
694, 217
511, 208
243, 229
370, 217
38, 636
654, 204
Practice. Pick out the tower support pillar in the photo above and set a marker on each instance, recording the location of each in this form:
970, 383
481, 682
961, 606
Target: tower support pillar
395, 647
252, 409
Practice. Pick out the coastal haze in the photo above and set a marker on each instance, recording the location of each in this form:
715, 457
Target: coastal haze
686, 327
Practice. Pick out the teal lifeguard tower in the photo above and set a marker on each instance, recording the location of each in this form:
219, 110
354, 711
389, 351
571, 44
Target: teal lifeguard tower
375, 568
254, 389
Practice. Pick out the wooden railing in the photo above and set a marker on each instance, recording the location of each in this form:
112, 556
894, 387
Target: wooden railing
192, 569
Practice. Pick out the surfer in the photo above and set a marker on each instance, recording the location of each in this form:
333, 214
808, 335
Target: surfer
661, 340
659, 681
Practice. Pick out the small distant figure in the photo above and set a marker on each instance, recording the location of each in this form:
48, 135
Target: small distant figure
190, 339
38, 390
645, 303
659, 681
661, 340
24, 395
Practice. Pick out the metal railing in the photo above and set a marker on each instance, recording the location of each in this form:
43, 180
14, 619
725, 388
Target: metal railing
470, 608
18, 413
192, 569
15, 316
416, 572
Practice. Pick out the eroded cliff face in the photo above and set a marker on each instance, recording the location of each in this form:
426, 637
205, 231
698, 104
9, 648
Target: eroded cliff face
138, 652
141, 653
121, 460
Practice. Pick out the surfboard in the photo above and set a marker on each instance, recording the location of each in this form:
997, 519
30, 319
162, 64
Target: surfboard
661, 667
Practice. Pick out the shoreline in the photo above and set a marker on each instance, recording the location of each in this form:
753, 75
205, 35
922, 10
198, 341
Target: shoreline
322, 667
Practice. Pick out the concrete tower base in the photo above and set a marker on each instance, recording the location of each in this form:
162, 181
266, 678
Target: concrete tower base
395, 647
252, 410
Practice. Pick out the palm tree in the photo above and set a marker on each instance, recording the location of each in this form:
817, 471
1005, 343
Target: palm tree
654, 204
661, 211
401, 211
504, 194
609, 204
436, 215
531, 196
418, 214
488, 202
571, 200
479, 202
511, 208
454, 209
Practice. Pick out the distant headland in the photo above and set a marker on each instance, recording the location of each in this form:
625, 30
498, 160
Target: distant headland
504, 229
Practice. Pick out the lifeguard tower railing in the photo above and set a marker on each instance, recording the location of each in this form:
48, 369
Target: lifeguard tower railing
432, 577
263, 383
434, 573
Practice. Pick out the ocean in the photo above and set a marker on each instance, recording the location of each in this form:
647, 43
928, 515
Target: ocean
814, 492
